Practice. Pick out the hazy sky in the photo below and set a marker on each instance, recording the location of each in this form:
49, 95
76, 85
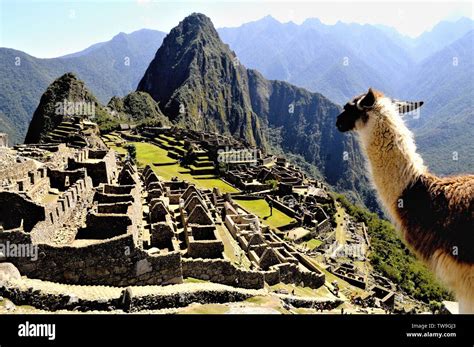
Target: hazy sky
53, 28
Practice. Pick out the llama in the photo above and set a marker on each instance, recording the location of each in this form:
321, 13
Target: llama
435, 215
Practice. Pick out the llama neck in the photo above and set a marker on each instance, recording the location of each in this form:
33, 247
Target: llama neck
391, 153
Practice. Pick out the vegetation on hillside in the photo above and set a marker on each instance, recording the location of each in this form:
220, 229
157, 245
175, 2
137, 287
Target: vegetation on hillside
138, 108
393, 259
108, 69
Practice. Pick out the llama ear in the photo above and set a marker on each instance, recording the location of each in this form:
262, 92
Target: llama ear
407, 106
368, 100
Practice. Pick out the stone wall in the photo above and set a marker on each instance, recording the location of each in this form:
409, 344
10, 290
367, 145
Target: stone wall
283, 208
115, 208
185, 299
15, 170
37, 183
34, 183
222, 271
57, 301
59, 213
115, 262
291, 273
61, 300
101, 168
61, 180
15, 208
205, 248
118, 211
103, 226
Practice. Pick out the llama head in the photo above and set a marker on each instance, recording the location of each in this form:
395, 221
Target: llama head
360, 110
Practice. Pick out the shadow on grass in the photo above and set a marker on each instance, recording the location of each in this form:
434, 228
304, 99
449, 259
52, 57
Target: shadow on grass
206, 177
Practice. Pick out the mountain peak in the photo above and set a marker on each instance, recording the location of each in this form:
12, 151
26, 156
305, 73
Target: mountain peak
52, 106
199, 84
270, 19
194, 23
68, 76
196, 18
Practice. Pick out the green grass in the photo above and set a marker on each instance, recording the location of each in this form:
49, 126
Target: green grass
232, 249
313, 243
340, 230
259, 300
205, 309
148, 154
193, 280
111, 142
261, 209
119, 150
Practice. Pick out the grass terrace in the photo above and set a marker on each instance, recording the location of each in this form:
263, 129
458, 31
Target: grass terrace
313, 243
150, 154
341, 224
262, 210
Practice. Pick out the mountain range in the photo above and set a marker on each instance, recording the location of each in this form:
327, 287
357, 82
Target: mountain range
337, 61
196, 81
111, 68
199, 83
343, 60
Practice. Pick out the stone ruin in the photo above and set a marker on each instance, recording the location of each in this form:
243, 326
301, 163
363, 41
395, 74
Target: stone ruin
96, 219
268, 252
190, 212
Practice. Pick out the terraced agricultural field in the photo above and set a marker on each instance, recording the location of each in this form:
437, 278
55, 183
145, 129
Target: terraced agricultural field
150, 154
262, 210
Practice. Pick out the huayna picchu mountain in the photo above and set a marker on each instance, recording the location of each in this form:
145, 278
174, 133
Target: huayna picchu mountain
200, 84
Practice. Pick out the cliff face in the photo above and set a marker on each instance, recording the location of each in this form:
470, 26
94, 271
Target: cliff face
199, 83
303, 123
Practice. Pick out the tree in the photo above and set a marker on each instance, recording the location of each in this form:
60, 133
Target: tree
132, 152
435, 306
273, 183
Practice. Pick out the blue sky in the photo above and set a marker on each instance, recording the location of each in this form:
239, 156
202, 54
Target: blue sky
53, 28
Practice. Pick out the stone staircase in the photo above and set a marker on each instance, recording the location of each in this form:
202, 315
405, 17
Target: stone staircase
67, 132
